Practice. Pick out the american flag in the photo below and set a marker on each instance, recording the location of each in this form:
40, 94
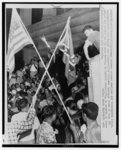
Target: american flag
18, 38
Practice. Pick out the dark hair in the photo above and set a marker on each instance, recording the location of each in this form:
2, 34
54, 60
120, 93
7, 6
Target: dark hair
33, 93
12, 86
78, 96
22, 103
22, 93
54, 91
16, 84
79, 82
84, 92
71, 104
91, 110
87, 27
22, 83
48, 111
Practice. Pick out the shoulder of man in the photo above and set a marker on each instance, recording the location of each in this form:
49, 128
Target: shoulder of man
96, 132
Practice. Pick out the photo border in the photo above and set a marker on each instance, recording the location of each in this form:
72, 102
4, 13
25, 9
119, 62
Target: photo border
3, 78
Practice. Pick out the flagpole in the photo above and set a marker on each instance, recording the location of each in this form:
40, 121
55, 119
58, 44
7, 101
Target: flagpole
46, 71
49, 74
39, 58
46, 68
60, 98
56, 46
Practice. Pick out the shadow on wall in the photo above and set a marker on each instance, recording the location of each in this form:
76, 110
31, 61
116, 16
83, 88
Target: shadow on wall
19, 62
24, 56
29, 52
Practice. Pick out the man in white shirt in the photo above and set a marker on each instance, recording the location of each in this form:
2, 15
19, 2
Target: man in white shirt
92, 53
93, 38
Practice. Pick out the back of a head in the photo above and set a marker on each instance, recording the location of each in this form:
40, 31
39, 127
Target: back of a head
22, 103
48, 111
91, 110
87, 27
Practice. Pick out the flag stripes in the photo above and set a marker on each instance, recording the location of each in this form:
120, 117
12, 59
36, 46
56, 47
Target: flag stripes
20, 43
14, 48
18, 38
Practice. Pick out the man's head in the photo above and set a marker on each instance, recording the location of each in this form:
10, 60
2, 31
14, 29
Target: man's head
17, 85
22, 86
23, 105
90, 111
13, 92
87, 30
49, 112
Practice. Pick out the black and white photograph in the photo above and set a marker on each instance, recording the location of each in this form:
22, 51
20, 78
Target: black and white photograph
60, 74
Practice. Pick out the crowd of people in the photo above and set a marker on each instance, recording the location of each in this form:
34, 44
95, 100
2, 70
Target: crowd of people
23, 83
51, 122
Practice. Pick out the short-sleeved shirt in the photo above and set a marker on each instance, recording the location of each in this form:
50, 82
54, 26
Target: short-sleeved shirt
94, 38
15, 127
46, 134
21, 116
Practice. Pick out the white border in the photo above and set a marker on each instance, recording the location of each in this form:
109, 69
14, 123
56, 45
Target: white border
2, 66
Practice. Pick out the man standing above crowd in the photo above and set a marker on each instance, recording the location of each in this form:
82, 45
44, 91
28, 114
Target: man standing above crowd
93, 40
92, 51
